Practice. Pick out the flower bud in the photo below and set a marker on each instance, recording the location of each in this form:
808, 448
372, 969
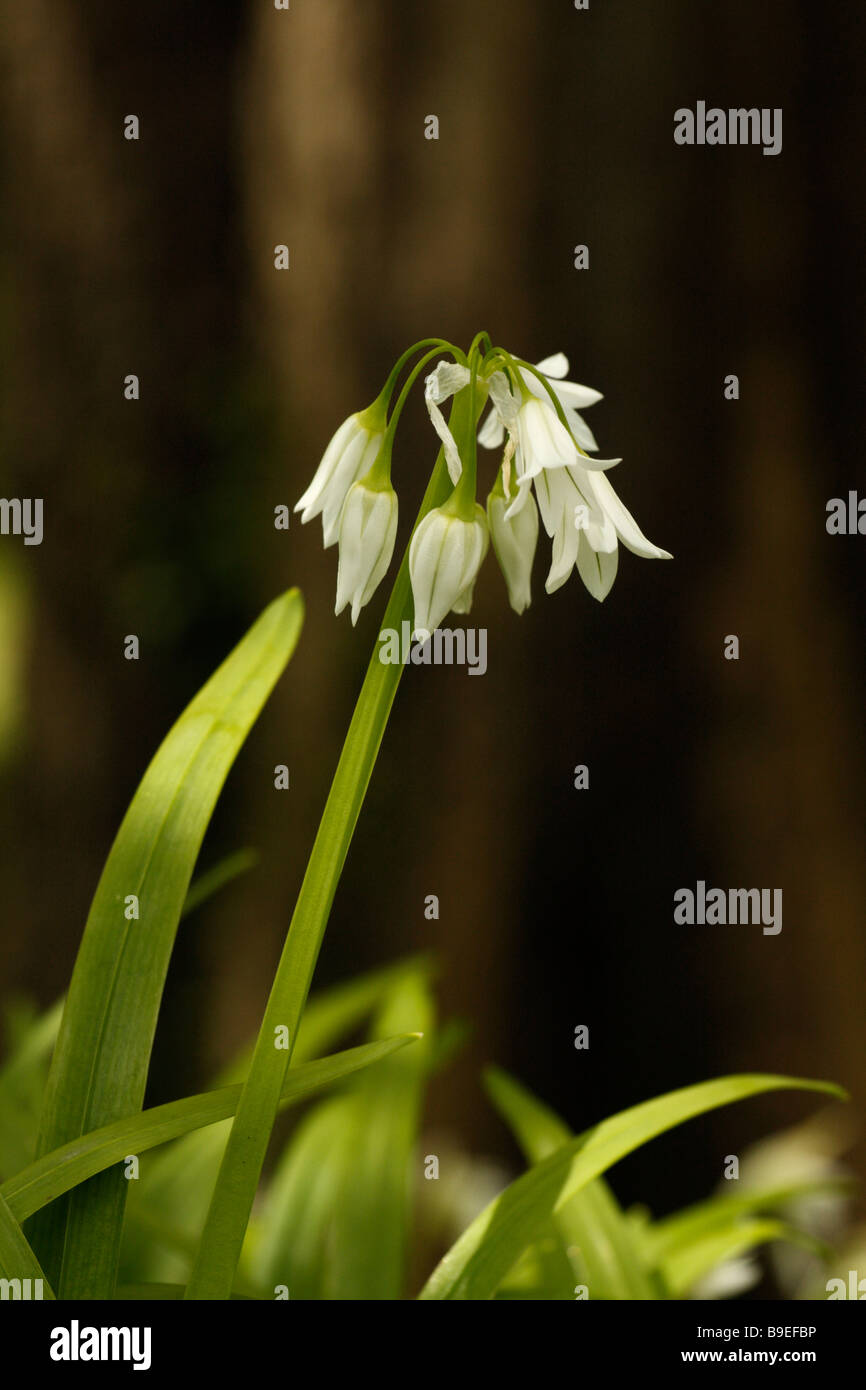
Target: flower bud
514, 540
444, 559
368, 526
349, 456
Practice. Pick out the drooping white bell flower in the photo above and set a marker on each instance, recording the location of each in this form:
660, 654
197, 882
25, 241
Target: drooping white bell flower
586, 520
368, 527
514, 541
446, 379
445, 556
349, 456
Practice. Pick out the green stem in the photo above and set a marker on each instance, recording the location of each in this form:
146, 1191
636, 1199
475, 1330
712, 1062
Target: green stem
404, 394
442, 344
214, 1268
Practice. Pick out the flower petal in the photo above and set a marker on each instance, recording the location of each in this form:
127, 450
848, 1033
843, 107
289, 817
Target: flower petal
597, 571
555, 366
627, 528
446, 379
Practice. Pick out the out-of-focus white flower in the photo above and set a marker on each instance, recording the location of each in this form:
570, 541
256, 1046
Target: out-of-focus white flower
728, 1279
445, 380
368, 526
514, 540
445, 556
349, 456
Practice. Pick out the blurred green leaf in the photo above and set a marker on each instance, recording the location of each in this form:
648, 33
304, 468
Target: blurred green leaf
695, 1222
209, 883
179, 1180
693, 1260
334, 1220
480, 1259
371, 1218
609, 1259
17, 1260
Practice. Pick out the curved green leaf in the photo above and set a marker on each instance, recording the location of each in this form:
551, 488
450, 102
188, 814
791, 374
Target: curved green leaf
693, 1223
64, 1168
480, 1259
608, 1256
100, 1064
685, 1266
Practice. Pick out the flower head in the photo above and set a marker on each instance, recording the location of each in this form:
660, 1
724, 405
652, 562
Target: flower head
368, 526
445, 556
549, 468
350, 454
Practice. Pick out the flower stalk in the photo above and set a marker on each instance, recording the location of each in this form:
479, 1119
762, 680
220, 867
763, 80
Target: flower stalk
535, 413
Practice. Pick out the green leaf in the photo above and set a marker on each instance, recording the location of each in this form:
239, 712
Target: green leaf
331, 1013
609, 1258
334, 1220
17, 1260
100, 1064
73, 1163
371, 1217
475, 1265
695, 1222
292, 1243
689, 1263
22, 1086
144, 1293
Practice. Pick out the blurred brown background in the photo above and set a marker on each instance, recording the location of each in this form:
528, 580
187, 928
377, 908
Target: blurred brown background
156, 257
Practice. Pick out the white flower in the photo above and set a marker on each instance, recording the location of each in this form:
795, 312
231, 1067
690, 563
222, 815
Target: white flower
586, 520
538, 437
445, 556
446, 379
348, 457
514, 541
368, 526
570, 395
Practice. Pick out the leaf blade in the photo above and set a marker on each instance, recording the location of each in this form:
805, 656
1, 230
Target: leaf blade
65, 1168
100, 1063
479, 1260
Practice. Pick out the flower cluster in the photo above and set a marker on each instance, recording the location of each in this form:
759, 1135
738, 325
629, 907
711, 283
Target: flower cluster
549, 465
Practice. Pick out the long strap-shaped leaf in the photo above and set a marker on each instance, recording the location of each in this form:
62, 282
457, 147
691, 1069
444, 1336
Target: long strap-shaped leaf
64, 1168
480, 1259
100, 1064
610, 1257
